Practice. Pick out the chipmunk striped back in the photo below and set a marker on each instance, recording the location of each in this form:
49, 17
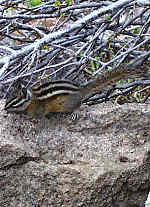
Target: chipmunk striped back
55, 88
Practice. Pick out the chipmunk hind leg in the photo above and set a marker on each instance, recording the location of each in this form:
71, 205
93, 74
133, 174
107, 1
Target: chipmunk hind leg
73, 102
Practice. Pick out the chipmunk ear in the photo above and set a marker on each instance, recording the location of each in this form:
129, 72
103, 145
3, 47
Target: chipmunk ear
23, 90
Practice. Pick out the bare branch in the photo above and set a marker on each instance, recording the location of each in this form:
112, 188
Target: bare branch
70, 40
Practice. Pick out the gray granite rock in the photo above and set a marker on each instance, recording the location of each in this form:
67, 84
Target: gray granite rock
101, 159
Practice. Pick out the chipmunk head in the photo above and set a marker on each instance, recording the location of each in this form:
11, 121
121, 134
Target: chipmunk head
19, 103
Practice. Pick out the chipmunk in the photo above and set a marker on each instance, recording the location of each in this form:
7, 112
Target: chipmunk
63, 95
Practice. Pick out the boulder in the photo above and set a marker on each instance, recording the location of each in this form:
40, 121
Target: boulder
100, 159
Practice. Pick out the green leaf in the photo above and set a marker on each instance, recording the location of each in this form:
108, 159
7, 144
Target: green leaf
136, 30
108, 18
57, 4
14, 25
35, 2
45, 47
68, 2
63, 15
47, 76
92, 65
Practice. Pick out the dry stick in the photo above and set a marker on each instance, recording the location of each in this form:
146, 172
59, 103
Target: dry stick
50, 37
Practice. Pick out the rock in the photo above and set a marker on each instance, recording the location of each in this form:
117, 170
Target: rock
101, 159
